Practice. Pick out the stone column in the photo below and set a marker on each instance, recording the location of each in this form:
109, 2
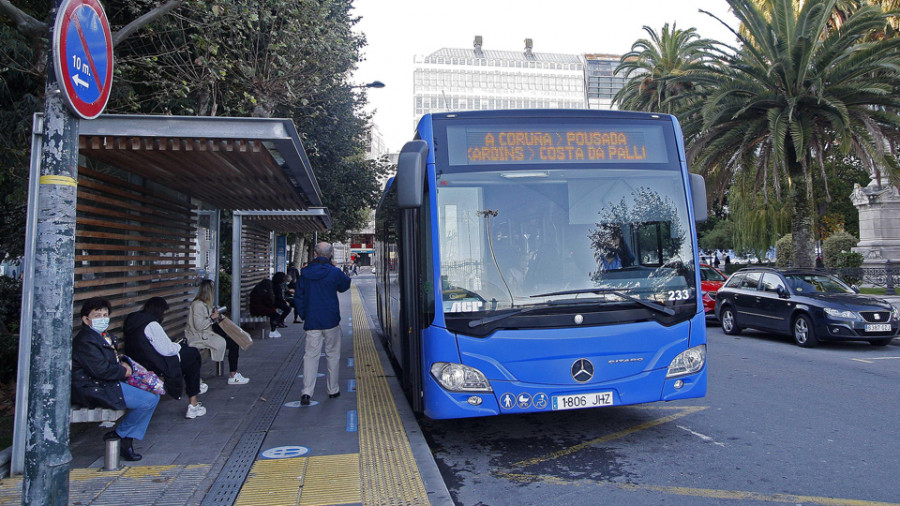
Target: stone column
879, 221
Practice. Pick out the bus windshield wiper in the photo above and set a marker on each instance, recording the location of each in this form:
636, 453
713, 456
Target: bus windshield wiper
496, 318
649, 305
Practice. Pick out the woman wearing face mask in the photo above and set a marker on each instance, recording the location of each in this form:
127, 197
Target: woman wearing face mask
98, 378
147, 343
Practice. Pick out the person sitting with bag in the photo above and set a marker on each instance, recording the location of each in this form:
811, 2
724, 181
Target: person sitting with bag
99, 376
147, 343
203, 331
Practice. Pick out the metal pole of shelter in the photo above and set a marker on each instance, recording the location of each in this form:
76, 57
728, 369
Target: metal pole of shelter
236, 263
17, 461
47, 456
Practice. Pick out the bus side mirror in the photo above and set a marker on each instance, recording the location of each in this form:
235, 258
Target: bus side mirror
411, 174
698, 196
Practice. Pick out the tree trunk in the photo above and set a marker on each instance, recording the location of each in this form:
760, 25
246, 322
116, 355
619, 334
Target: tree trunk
803, 239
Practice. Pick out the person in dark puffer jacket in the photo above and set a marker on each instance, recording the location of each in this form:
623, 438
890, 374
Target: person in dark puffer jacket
99, 374
147, 343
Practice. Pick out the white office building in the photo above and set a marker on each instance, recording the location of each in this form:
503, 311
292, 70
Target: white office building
453, 79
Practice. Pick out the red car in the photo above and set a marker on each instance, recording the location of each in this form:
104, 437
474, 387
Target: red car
711, 279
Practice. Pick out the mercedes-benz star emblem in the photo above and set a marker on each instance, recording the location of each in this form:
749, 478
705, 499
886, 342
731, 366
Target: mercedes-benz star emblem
582, 370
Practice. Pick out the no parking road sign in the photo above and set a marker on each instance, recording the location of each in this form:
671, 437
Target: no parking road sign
83, 56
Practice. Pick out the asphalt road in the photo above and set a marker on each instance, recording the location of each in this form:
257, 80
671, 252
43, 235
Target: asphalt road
780, 424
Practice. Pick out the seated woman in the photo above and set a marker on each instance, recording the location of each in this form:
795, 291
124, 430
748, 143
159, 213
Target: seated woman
147, 343
98, 378
262, 303
203, 331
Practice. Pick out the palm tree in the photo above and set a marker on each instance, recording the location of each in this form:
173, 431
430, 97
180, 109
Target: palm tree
659, 69
794, 91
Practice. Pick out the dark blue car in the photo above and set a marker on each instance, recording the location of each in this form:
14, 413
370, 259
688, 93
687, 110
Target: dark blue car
809, 305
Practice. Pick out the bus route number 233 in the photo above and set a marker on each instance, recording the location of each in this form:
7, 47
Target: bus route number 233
679, 294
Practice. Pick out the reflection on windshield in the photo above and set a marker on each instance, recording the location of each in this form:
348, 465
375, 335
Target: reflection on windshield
505, 236
812, 283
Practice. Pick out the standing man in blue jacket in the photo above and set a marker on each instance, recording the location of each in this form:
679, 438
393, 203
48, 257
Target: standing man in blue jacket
317, 305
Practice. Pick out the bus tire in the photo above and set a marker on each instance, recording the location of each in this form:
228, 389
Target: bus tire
729, 322
803, 331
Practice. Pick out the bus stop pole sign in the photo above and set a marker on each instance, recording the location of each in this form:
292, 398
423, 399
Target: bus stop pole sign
83, 56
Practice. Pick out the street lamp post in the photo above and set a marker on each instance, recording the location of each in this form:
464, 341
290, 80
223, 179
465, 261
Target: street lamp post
373, 84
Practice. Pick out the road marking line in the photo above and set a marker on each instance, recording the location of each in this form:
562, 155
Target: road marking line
710, 493
702, 436
685, 411
869, 360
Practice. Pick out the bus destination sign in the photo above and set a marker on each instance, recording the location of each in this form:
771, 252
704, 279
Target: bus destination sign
486, 146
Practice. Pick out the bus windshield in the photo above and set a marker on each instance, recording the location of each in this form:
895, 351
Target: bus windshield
551, 233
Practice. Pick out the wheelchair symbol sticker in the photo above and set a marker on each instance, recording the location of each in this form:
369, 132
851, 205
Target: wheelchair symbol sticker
284, 452
540, 400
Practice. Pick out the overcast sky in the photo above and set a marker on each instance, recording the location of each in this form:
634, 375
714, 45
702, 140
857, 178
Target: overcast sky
396, 30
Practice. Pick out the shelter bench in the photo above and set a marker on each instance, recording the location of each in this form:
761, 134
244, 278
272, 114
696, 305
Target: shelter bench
82, 415
205, 354
256, 322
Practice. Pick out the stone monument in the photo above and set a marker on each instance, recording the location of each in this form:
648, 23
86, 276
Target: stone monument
879, 221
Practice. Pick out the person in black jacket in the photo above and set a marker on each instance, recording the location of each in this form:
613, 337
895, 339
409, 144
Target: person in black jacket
98, 378
147, 343
279, 285
262, 303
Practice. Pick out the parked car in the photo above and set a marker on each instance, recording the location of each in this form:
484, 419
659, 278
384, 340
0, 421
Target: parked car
711, 279
808, 305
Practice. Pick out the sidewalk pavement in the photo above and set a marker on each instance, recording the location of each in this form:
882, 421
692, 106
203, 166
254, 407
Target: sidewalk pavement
256, 445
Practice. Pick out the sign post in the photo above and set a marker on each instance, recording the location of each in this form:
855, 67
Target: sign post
79, 76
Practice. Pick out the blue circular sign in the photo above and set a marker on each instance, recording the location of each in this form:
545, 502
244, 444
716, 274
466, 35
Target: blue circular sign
83, 56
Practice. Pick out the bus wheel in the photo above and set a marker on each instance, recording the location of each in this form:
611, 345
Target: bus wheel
803, 331
729, 322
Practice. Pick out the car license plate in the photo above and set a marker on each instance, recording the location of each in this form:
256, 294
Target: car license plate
878, 327
581, 401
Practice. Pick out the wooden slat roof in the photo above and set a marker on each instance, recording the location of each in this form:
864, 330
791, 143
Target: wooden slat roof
230, 163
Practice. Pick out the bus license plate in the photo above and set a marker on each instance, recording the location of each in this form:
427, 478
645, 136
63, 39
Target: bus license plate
878, 327
581, 401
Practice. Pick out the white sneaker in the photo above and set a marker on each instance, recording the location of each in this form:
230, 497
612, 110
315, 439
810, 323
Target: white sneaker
274, 334
195, 411
237, 379
203, 387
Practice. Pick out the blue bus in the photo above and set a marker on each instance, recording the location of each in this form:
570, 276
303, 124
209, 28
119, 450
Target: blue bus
542, 260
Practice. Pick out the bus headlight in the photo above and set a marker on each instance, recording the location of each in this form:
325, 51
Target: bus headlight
689, 361
460, 378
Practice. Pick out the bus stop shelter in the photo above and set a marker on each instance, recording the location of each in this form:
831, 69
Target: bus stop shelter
150, 191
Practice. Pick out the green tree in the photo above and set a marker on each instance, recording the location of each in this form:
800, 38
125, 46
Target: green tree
23, 69
793, 92
660, 69
266, 58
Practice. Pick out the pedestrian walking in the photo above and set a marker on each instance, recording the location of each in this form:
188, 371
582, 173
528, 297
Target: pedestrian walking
317, 305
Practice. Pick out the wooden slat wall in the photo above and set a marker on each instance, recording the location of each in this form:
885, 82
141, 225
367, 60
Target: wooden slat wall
257, 257
133, 243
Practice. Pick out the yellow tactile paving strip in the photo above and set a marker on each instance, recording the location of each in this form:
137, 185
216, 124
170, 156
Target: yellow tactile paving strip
307, 481
92, 486
388, 470
332, 479
273, 482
